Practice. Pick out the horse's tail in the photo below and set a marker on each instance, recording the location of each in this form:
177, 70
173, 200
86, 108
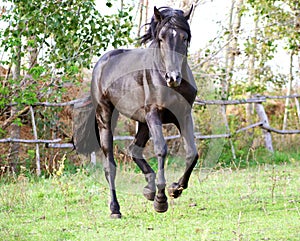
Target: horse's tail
85, 130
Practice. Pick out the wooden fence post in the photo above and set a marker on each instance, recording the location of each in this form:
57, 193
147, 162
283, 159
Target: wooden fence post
265, 122
37, 150
298, 108
223, 107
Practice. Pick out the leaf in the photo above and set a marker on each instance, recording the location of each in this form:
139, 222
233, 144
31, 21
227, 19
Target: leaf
109, 4
37, 71
18, 122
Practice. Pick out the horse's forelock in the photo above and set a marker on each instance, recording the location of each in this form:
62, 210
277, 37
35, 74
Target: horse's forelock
175, 18
180, 22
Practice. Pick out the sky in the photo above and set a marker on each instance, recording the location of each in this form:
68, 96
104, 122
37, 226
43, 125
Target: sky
204, 24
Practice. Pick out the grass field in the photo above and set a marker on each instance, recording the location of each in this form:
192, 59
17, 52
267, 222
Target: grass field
262, 203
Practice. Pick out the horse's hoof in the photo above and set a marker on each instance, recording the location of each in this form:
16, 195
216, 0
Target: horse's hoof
116, 215
162, 205
148, 193
175, 190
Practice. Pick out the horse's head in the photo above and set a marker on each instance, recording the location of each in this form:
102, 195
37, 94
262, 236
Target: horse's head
173, 36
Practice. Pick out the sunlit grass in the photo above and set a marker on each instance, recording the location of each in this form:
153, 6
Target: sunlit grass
262, 203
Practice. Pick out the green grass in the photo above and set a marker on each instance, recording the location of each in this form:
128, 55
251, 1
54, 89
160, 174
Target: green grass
262, 203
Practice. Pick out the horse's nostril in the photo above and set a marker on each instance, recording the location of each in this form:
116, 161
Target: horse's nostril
167, 76
173, 78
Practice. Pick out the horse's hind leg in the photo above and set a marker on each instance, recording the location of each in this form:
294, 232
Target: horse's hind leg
136, 151
104, 116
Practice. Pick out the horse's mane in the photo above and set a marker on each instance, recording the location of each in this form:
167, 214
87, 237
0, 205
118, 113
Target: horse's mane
175, 18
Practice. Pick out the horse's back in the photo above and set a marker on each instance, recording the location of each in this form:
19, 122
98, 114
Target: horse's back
125, 60
119, 63
118, 79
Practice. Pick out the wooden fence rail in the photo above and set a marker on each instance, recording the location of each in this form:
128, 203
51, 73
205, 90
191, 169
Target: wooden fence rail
257, 100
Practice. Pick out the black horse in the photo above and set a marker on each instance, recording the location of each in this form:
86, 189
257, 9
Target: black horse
152, 86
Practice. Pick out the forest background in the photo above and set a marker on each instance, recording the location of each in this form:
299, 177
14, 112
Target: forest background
239, 49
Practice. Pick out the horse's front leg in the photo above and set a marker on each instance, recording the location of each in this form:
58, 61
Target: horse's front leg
160, 149
136, 151
187, 132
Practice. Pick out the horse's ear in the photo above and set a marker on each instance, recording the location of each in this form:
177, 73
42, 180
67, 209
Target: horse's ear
157, 14
188, 14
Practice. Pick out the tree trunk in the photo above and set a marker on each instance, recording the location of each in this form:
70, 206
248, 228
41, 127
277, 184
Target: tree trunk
232, 48
15, 129
147, 10
297, 27
298, 86
251, 75
231, 53
288, 93
33, 54
122, 5
141, 8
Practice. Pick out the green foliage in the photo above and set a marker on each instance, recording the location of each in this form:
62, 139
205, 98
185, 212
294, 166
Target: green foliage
247, 157
4, 93
68, 33
267, 27
60, 38
36, 71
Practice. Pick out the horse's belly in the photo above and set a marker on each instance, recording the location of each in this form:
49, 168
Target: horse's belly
130, 105
138, 115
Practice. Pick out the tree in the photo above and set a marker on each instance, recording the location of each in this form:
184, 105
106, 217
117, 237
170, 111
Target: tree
232, 50
60, 38
240, 61
277, 25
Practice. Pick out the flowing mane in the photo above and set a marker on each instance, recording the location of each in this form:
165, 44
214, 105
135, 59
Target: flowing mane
174, 18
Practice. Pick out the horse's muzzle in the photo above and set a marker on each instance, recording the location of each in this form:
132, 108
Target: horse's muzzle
173, 78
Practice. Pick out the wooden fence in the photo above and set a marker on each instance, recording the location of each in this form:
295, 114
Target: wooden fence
257, 100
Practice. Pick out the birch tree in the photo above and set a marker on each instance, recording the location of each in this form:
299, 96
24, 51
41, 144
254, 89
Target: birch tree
232, 50
59, 38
